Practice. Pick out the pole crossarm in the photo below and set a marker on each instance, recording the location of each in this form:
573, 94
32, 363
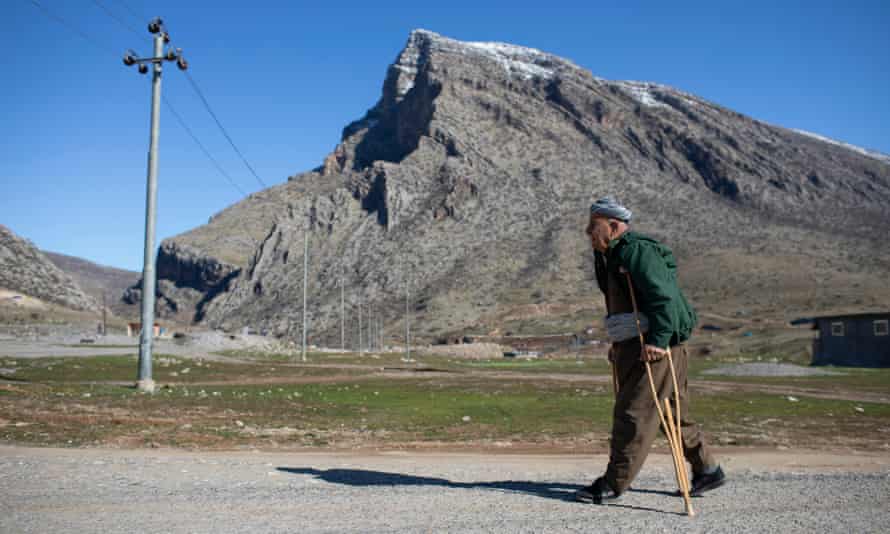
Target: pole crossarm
156, 26
149, 60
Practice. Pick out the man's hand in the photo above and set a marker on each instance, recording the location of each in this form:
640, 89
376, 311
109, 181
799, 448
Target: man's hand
651, 353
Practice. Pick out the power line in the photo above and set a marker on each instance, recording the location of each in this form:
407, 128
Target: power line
223, 130
197, 90
52, 16
105, 48
108, 12
201, 146
131, 10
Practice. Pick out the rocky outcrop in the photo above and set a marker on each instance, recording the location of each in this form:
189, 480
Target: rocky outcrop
187, 280
23, 268
469, 182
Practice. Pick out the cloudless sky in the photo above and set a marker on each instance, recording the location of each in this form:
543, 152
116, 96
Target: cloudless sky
285, 77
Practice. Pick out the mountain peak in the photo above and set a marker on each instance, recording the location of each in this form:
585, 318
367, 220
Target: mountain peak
521, 61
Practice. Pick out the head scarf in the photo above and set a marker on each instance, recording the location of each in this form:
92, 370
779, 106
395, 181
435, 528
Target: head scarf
609, 207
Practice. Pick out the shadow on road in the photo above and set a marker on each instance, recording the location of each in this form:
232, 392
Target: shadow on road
655, 492
549, 490
358, 477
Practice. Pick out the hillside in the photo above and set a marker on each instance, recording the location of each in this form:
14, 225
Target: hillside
25, 269
472, 175
98, 281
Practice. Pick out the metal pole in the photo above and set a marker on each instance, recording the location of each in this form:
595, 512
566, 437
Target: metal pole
361, 351
145, 382
407, 318
104, 316
342, 314
305, 283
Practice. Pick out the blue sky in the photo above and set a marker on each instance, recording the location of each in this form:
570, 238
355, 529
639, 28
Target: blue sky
285, 77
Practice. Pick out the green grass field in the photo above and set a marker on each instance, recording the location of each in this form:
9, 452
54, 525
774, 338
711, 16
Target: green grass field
89, 401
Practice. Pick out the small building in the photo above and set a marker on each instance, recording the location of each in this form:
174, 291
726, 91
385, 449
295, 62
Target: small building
135, 330
856, 340
522, 354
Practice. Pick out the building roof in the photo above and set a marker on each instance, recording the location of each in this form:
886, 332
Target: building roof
862, 315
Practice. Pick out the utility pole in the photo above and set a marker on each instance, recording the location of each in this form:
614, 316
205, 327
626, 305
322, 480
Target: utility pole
305, 283
370, 334
361, 350
407, 312
156, 27
380, 323
342, 313
407, 321
104, 317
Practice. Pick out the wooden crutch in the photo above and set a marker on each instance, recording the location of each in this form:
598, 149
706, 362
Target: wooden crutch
678, 429
670, 431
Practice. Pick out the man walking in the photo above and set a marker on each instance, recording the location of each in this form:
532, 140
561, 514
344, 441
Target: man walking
667, 320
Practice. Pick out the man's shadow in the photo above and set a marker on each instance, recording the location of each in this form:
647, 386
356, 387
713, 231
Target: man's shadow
359, 477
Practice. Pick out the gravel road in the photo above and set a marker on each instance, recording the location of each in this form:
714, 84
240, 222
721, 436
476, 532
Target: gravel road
769, 369
100, 490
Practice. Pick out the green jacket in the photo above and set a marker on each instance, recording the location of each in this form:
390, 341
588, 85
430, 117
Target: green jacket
654, 273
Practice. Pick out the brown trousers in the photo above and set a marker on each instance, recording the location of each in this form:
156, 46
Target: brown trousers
635, 420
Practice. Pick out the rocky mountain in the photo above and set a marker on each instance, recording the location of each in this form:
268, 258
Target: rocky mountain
25, 269
98, 281
470, 180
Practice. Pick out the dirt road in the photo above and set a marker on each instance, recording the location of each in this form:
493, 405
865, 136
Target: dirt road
108, 490
68, 348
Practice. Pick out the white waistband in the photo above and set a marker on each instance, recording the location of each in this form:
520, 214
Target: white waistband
623, 326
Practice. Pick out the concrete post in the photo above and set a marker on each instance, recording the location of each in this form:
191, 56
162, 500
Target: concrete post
145, 382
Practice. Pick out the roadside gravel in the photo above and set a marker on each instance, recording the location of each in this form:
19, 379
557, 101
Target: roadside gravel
102, 490
769, 369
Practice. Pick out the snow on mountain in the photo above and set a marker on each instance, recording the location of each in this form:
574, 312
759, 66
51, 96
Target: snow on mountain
521, 61
864, 151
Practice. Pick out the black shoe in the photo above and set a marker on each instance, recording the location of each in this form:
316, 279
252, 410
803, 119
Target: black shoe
596, 493
706, 482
